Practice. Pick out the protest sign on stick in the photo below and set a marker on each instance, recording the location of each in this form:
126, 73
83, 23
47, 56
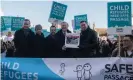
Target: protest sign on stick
119, 18
5, 22
17, 23
78, 19
57, 13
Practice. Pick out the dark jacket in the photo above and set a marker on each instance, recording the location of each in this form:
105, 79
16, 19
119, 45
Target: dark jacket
61, 42
98, 53
105, 49
114, 46
10, 49
3, 46
123, 53
24, 44
88, 43
40, 46
110, 43
52, 47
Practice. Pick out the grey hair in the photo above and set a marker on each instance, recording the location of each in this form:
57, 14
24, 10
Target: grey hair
38, 26
65, 23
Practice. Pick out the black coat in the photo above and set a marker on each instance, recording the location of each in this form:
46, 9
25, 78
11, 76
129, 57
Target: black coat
61, 42
24, 44
10, 52
52, 47
110, 43
10, 49
40, 46
114, 46
105, 49
123, 53
88, 43
98, 53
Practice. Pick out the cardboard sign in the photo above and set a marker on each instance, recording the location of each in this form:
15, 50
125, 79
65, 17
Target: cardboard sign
72, 40
119, 18
57, 13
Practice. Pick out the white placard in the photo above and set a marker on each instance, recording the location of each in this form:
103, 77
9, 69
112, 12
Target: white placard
92, 68
67, 68
72, 40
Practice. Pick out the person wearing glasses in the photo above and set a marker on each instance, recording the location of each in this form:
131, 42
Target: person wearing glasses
127, 48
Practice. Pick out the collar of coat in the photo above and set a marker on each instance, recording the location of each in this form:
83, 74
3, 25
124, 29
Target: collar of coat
61, 32
126, 54
85, 31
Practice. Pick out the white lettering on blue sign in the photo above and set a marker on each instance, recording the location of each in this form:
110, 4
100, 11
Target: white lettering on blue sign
118, 7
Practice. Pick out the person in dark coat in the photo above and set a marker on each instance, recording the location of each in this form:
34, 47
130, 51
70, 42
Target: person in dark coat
88, 41
105, 49
24, 41
114, 46
3, 49
98, 53
60, 36
40, 43
110, 43
10, 49
126, 49
52, 46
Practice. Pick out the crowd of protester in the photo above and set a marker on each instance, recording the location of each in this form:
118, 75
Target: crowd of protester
26, 43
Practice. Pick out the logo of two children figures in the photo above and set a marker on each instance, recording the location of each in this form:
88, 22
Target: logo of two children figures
81, 71
84, 71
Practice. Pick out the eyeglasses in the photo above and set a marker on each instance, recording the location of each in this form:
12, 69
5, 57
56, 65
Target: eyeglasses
126, 40
26, 24
63, 25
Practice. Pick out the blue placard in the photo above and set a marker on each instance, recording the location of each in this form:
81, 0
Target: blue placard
17, 23
119, 14
119, 17
78, 19
58, 12
5, 22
